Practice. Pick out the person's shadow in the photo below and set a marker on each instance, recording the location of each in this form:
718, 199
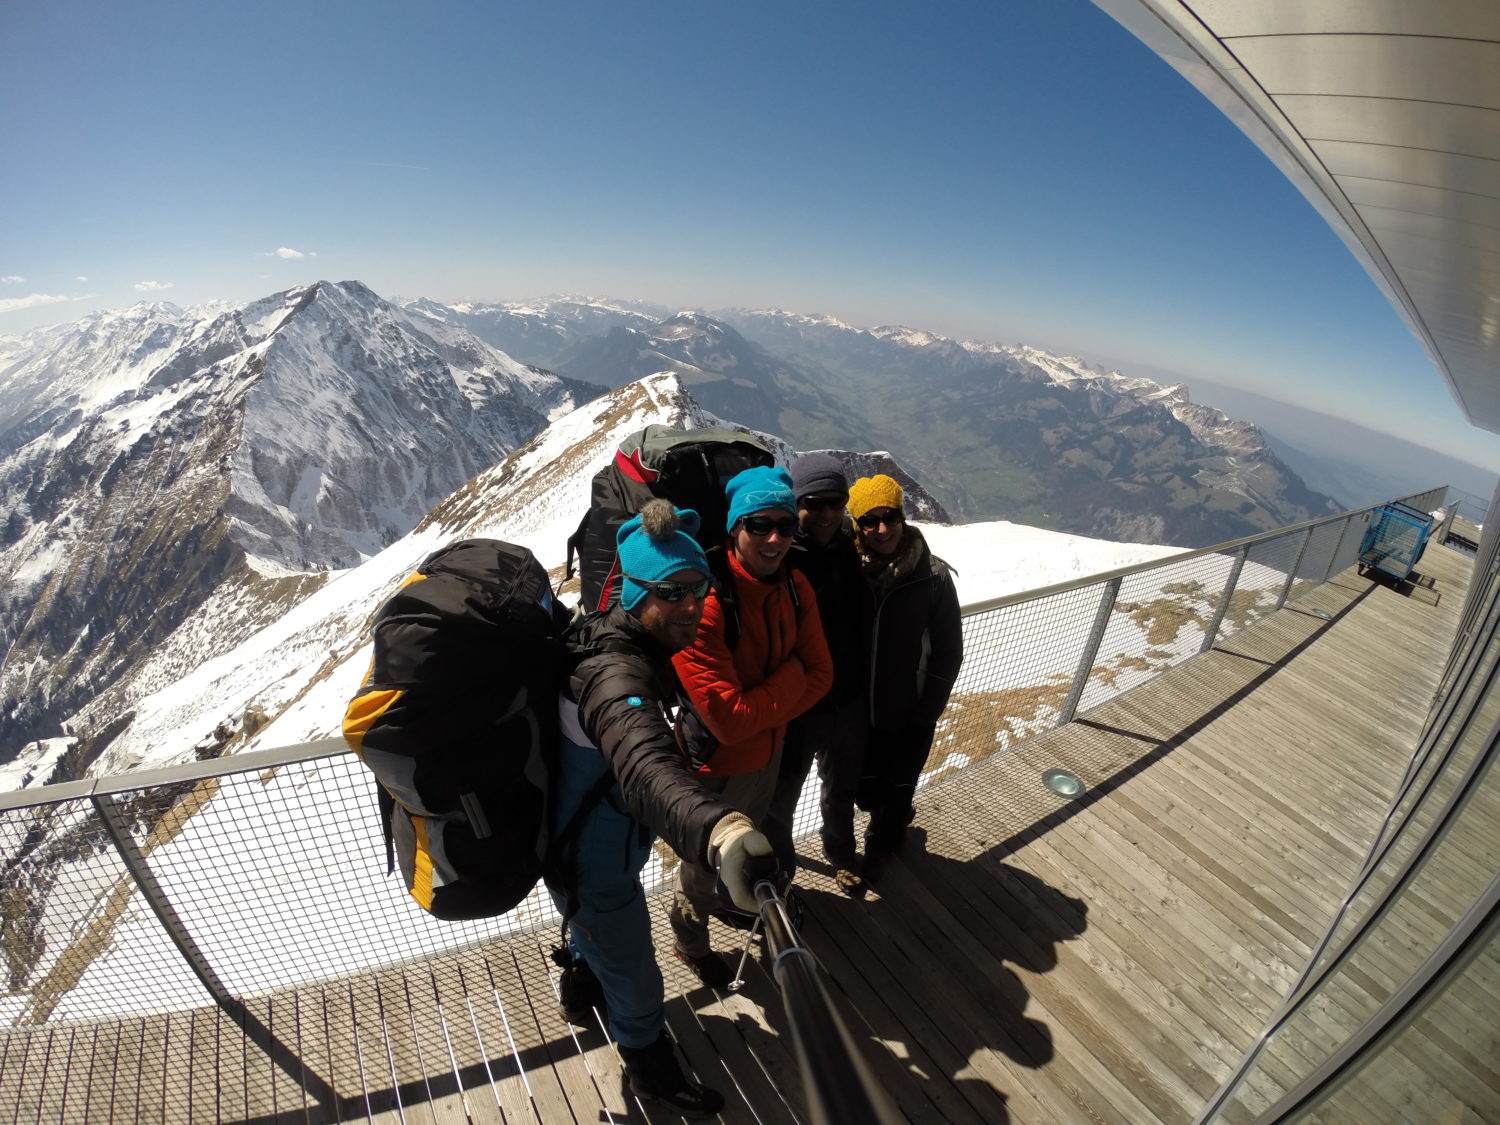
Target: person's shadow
921, 970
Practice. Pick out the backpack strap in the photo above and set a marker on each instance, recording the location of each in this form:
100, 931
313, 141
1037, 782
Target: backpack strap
723, 579
575, 544
387, 805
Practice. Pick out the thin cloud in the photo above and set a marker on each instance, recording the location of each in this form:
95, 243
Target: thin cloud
35, 301
80, 279
152, 286
12, 279
287, 254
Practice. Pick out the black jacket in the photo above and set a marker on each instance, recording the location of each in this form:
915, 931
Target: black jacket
621, 684
845, 606
917, 642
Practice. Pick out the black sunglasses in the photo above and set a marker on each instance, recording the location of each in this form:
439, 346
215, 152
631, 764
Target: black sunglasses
675, 591
870, 520
760, 526
822, 503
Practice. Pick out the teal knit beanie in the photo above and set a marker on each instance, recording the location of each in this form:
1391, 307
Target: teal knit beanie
655, 545
755, 490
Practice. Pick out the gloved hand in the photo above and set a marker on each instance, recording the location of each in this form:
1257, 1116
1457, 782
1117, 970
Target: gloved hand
743, 857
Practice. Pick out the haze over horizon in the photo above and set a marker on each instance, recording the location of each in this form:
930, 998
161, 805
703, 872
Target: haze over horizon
1026, 173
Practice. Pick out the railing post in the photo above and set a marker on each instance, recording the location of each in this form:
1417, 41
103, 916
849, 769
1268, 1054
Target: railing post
1090, 650
1211, 634
1337, 547
1291, 575
145, 879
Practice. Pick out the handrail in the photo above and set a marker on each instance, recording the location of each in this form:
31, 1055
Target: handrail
228, 766
334, 747
1185, 556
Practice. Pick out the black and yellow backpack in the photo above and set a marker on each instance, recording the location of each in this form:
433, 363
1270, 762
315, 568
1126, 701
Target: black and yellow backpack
457, 719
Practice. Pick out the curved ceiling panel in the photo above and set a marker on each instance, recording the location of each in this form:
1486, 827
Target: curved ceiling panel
1386, 114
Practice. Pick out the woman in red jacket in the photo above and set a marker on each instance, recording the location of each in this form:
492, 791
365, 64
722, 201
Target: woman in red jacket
758, 662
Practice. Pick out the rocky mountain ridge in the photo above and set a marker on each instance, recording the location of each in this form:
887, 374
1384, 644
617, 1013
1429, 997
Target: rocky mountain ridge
157, 460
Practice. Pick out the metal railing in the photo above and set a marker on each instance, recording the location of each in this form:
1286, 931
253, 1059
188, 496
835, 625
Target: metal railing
241, 876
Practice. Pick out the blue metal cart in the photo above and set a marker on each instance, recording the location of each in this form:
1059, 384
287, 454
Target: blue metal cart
1394, 540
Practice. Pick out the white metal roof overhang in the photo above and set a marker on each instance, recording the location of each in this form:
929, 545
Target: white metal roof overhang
1386, 114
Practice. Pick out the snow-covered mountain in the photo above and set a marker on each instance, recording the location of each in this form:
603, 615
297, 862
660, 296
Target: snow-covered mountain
156, 461
541, 331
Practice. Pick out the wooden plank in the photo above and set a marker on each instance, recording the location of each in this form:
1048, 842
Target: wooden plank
502, 1062
1053, 1047
557, 1072
1026, 921
148, 1073
18, 1059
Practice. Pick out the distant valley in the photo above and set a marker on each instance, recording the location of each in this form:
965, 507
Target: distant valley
996, 432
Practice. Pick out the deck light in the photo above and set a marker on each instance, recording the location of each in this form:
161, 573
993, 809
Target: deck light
1323, 613
1063, 783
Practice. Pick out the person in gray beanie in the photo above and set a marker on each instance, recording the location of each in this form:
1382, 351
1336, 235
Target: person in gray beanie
833, 733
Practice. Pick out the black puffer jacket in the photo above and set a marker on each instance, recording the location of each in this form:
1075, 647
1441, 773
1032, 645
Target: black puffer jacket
621, 685
845, 606
917, 641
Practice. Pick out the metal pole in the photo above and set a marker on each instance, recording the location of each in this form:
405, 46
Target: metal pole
1292, 574
1211, 634
841, 1088
1337, 548
151, 891
1085, 668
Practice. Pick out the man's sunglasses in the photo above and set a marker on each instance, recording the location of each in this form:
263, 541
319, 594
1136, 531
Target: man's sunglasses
675, 591
871, 520
822, 503
760, 526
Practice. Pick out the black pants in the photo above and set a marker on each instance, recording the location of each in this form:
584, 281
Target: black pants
893, 762
834, 737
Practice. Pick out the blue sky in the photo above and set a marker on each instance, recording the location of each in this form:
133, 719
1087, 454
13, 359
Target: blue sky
1022, 171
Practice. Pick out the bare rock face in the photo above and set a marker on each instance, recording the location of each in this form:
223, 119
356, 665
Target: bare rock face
147, 457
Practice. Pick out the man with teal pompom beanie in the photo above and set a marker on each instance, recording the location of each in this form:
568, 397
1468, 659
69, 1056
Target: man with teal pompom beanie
621, 776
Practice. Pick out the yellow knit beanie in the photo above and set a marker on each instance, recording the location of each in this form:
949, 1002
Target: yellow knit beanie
869, 493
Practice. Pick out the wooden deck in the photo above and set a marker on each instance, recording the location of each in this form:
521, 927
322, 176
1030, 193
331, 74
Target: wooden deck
1029, 959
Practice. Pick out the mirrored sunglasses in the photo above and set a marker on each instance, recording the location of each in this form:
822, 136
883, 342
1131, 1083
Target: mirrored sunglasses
675, 591
871, 520
763, 525
822, 503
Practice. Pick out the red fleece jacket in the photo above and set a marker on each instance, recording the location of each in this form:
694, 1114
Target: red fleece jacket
747, 697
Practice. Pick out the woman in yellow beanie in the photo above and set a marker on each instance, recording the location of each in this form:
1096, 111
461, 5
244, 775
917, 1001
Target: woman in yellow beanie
916, 649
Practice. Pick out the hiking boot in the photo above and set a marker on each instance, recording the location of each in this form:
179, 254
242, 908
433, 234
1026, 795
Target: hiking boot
875, 864
711, 969
653, 1072
850, 882
579, 993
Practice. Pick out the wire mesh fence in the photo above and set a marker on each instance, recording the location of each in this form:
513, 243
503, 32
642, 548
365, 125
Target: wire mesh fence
129, 896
